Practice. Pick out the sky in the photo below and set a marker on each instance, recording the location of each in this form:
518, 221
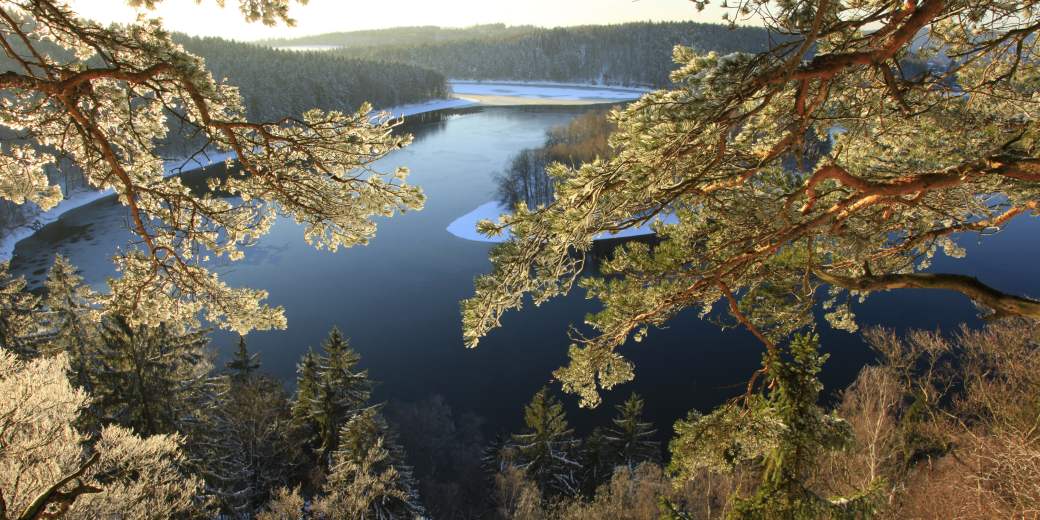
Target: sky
322, 16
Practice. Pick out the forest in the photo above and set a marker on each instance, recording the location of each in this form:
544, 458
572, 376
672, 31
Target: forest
404, 36
630, 54
276, 84
857, 157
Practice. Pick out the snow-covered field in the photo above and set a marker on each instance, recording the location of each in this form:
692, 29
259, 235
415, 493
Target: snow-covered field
466, 225
495, 92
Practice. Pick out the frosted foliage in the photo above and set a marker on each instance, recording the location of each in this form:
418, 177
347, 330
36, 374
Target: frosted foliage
359, 486
846, 155
106, 100
46, 462
285, 505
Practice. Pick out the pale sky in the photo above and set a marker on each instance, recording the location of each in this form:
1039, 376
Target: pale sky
321, 16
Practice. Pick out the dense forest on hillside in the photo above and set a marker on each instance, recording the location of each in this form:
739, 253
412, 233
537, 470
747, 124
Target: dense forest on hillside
405, 36
276, 83
623, 54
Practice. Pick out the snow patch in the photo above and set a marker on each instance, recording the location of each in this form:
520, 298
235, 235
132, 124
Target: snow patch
426, 106
82, 198
308, 48
466, 226
546, 91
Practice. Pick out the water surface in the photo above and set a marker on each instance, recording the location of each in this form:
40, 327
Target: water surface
397, 298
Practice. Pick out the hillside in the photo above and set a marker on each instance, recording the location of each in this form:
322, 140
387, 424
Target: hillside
277, 83
404, 36
631, 54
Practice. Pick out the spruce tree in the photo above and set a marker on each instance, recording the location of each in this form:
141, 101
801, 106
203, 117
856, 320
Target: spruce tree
547, 449
630, 440
330, 389
307, 374
151, 379
247, 445
597, 461
369, 477
784, 431
243, 365
73, 314
19, 311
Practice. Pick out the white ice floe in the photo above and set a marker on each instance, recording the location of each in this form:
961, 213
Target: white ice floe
426, 106
466, 225
546, 91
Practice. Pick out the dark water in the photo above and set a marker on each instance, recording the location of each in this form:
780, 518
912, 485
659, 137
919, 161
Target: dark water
397, 298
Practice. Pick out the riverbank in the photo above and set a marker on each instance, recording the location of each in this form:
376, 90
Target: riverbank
466, 94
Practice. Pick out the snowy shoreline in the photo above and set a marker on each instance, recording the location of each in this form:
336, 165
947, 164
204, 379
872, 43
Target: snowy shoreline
465, 227
550, 92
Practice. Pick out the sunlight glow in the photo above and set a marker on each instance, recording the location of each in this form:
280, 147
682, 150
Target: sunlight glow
321, 16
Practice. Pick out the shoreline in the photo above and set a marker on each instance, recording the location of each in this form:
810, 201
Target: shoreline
508, 94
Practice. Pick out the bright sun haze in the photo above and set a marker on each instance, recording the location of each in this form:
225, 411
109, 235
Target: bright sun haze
321, 16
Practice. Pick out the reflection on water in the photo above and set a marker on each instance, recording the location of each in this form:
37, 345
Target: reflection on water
397, 298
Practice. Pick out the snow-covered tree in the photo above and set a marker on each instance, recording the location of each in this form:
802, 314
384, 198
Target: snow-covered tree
151, 379
784, 430
243, 365
287, 504
73, 312
246, 444
103, 97
547, 449
630, 441
19, 311
330, 389
50, 469
369, 477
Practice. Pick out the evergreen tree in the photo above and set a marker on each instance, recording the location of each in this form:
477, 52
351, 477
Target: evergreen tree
369, 477
714, 154
307, 374
243, 365
19, 311
785, 431
73, 314
547, 449
330, 389
151, 379
630, 440
247, 445
597, 461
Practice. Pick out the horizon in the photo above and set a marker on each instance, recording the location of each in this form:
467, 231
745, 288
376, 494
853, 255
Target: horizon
319, 17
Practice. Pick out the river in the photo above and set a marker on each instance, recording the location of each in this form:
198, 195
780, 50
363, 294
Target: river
397, 298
